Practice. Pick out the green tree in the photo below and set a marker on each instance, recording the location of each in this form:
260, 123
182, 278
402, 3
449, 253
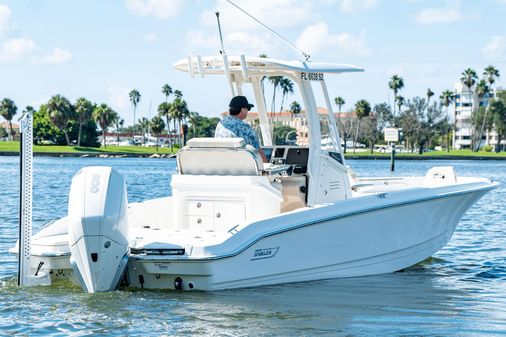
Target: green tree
206, 126
166, 91
105, 117
84, 111
135, 98
380, 117
447, 97
157, 125
61, 111
498, 111
179, 108
469, 78
286, 86
275, 81
396, 83
295, 108
339, 102
429, 94
118, 123
281, 133
164, 111
479, 116
144, 125
193, 119
400, 102
7, 110
490, 74
362, 110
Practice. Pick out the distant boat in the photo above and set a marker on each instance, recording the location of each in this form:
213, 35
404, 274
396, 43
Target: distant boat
233, 221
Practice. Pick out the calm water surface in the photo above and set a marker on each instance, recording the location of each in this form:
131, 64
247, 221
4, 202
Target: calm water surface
461, 291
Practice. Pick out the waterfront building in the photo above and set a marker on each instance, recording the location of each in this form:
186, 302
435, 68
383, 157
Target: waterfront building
465, 104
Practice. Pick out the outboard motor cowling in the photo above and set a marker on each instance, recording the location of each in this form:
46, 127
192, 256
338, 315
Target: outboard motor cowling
98, 221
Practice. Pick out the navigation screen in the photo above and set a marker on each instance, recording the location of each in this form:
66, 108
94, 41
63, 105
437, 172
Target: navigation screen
297, 156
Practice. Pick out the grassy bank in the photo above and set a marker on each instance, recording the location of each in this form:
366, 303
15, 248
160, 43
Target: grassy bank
144, 151
137, 150
433, 154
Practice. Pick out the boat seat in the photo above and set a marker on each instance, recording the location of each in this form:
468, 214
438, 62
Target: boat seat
219, 156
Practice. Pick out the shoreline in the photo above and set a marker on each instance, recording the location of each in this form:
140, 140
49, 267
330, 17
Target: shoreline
168, 156
91, 154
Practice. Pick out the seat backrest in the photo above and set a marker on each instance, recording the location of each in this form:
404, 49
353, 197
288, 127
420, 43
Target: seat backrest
218, 156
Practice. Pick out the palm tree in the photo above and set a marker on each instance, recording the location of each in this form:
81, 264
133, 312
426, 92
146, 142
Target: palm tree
84, 111
7, 110
295, 108
447, 97
400, 102
286, 86
482, 90
339, 102
469, 78
135, 98
491, 74
193, 118
167, 91
60, 113
164, 111
396, 83
362, 109
144, 124
118, 123
430, 93
178, 93
157, 125
105, 117
275, 80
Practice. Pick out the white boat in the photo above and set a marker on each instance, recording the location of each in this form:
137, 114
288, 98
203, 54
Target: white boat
233, 221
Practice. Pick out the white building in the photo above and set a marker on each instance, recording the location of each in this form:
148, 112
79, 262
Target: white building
466, 101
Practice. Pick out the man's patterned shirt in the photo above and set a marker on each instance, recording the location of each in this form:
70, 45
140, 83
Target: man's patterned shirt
230, 127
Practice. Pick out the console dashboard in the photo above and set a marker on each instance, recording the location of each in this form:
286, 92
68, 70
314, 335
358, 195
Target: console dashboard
294, 156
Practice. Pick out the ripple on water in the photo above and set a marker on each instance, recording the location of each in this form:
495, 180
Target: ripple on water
458, 291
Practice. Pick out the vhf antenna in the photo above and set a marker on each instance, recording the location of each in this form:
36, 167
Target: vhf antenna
222, 51
306, 56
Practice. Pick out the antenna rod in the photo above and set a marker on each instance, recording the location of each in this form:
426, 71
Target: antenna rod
306, 56
219, 29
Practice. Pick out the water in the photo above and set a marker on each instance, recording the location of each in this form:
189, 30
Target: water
461, 291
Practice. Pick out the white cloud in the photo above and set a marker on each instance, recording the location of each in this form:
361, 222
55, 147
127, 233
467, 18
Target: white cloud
158, 8
353, 6
118, 97
273, 13
448, 14
316, 39
235, 43
16, 49
5, 19
58, 56
495, 48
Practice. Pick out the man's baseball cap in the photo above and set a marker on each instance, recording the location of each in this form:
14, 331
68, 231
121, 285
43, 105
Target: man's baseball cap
239, 102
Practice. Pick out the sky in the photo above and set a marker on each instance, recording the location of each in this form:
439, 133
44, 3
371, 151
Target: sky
103, 49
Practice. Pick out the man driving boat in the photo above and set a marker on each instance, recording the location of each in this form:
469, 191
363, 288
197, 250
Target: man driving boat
234, 125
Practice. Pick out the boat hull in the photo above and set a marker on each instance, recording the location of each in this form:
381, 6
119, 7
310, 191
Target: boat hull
387, 239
